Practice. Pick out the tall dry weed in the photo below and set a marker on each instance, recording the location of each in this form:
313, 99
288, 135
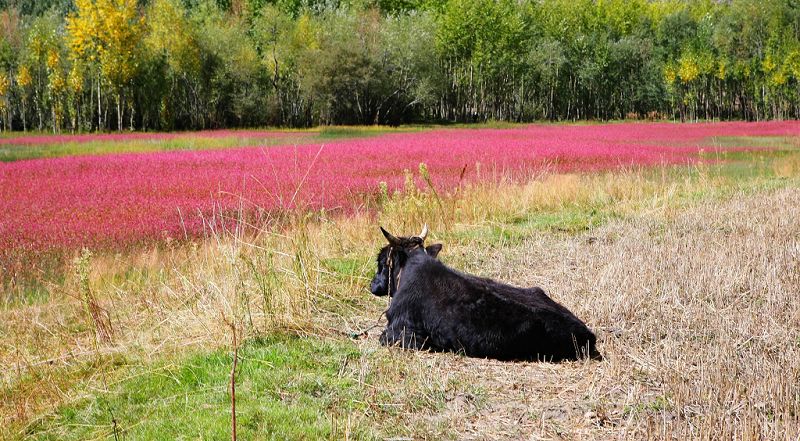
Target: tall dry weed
98, 317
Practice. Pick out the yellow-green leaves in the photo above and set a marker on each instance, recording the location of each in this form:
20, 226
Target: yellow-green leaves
169, 33
5, 83
109, 32
24, 78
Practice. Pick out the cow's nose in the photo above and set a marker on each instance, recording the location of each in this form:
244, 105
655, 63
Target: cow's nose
377, 288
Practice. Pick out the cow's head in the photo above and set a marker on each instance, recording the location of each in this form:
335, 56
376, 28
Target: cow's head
392, 257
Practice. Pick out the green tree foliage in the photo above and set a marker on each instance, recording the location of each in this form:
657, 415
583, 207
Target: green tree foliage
231, 76
36, 7
359, 69
479, 42
190, 64
42, 59
280, 42
173, 67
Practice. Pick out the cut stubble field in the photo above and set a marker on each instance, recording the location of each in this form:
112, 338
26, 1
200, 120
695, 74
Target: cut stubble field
688, 273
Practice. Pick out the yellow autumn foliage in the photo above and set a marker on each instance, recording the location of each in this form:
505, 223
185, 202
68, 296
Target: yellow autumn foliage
722, 69
53, 59
792, 63
670, 73
57, 83
108, 32
305, 33
75, 79
768, 64
688, 68
5, 84
24, 78
83, 30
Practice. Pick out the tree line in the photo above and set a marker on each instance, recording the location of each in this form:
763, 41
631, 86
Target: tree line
85, 65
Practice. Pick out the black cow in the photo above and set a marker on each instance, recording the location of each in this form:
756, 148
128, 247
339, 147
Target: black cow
438, 308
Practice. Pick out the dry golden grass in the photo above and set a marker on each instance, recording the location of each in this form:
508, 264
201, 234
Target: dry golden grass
788, 166
697, 317
694, 304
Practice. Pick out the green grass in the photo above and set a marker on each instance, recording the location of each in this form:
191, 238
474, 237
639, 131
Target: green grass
771, 142
739, 172
287, 388
762, 150
327, 133
515, 230
18, 134
13, 152
27, 292
16, 152
345, 266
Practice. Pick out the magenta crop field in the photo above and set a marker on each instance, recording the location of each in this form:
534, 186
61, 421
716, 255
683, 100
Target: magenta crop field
123, 199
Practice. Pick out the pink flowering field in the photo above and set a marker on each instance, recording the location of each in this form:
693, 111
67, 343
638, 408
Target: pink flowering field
120, 200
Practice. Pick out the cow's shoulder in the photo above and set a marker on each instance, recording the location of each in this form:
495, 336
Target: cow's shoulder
422, 265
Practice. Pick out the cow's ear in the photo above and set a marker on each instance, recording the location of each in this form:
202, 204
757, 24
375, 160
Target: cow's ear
433, 250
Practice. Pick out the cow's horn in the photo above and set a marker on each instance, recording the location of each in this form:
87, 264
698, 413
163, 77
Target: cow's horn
424, 233
392, 240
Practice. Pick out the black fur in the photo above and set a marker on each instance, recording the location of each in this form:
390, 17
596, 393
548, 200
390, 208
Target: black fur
380, 283
437, 308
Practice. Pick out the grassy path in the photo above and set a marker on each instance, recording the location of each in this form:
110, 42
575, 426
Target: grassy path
20, 146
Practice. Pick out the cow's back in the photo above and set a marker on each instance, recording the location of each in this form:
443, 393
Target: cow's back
485, 318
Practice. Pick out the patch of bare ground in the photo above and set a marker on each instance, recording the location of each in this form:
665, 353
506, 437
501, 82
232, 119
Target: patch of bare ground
697, 315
